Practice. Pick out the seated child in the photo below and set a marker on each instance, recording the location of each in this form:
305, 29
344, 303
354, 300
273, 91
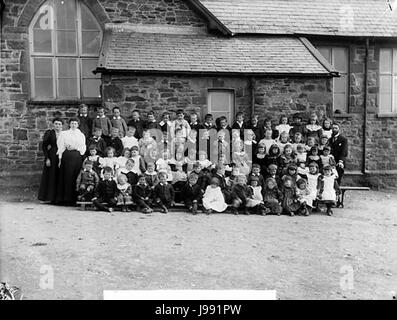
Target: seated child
311, 142
86, 182
122, 160
304, 198
94, 158
287, 158
164, 193
256, 172
223, 161
129, 140
192, 193
115, 141
151, 175
302, 170
255, 198
298, 139
232, 179
239, 195
142, 195
163, 162
204, 162
272, 172
283, 141
292, 172
179, 178
327, 159
178, 160
328, 189
146, 143
322, 144
213, 199
124, 197
97, 141
108, 161
267, 141
313, 156
241, 161
203, 177
139, 163
106, 192
272, 196
129, 172
273, 157
289, 200
301, 154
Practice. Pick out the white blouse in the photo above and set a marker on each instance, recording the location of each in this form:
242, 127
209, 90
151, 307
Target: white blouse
71, 140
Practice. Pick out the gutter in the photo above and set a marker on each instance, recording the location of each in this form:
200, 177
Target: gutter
364, 168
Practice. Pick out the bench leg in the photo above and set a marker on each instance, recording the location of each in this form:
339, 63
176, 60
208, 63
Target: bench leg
341, 200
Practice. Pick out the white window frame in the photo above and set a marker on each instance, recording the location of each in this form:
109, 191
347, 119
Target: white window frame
55, 56
232, 101
346, 73
393, 79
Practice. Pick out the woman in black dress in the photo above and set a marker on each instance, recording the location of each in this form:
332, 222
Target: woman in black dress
49, 178
71, 148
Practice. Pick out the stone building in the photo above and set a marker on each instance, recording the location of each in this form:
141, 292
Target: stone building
337, 58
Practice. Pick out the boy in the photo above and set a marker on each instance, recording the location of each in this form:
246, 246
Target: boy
164, 193
103, 122
97, 141
118, 122
85, 122
256, 172
139, 163
240, 194
115, 141
239, 124
151, 123
272, 170
129, 140
192, 193
181, 123
137, 123
254, 126
142, 193
194, 123
297, 125
132, 177
106, 192
86, 182
151, 175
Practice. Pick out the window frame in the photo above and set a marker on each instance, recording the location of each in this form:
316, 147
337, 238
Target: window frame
233, 106
331, 49
393, 76
55, 56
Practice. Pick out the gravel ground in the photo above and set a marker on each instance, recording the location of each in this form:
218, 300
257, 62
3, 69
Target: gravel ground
300, 257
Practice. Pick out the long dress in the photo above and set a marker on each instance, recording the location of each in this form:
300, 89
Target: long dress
49, 177
71, 162
213, 199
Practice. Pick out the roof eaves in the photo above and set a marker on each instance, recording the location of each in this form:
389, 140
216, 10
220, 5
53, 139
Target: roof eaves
104, 51
211, 17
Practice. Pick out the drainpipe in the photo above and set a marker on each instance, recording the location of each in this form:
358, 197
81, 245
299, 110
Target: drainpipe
252, 85
364, 169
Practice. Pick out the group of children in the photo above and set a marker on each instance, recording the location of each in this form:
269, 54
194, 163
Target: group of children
148, 164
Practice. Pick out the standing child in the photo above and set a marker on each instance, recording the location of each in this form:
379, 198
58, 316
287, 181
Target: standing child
97, 141
166, 125
103, 122
152, 124
86, 182
142, 195
106, 192
117, 121
313, 156
213, 199
272, 196
129, 140
181, 124
327, 128
289, 201
94, 158
328, 189
122, 160
124, 197
239, 124
327, 159
287, 158
115, 141
85, 122
164, 193
312, 182
304, 198
283, 141
297, 125
109, 161
139, 163
313, 129
301, 154
192, 193
195, 123
259, 158
137, 123
284, 126
267, 141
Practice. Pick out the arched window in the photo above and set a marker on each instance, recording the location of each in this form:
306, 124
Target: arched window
65, 40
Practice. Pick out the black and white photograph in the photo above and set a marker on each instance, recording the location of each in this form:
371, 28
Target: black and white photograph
198, 150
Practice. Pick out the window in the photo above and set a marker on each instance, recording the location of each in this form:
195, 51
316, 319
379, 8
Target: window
65, 40
338, 57
387, 81
221, 103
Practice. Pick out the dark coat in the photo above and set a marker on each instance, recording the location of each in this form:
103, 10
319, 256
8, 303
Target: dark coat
139, 125
339, 148
85, 126
165, 193
106, 189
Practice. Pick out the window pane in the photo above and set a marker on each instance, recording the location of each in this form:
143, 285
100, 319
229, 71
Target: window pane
66, 41
385, 60
88, 66
340, 102
43, 88
340, 84
385, 84
340, 59
42, 67
394, 61
45, 20
87, 20
42, 41
384, 103
91, 41
67, 88
91, 88
220, 101
326, 53
67, 68
66, 14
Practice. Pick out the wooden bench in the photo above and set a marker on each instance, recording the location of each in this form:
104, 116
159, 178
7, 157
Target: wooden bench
84, 204
343, 190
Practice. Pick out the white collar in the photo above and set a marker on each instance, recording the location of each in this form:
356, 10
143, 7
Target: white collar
116, 118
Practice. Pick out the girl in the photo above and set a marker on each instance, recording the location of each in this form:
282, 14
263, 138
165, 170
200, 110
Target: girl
297, 139
314, 157
109, 161
129, 140
287, 158
328, 189
255, 198
304, 198
302, 169
213, 199
311, 142
322, 144
272, 196
301, 154
178, 161
313, 129
289, 198
203, 160
94, 158
139, 163
125, 191
126, 154
283, 141
146, 143
312, 182
259, 158
284, 125
242, 163
273, 157
268, 141
150, 175
327, 128
327, 159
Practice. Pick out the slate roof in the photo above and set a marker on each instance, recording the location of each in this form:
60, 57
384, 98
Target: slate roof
144, 49
371, 18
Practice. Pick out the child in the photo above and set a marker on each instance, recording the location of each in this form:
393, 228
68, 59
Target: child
327, 159
146, 143
94, 158
267, 141
208, 122
256, 128
284, 126
213, 199
302, 170
124, 193
232, 179
115, 141
301, 154
239, 124
323, 142
151, 175
179, 160
85, 122
313, 129
242, 162
122, 160
272, 196
103, 122
283, 141
297, 125
221, 147
287, 158
132, 176
192, 193
179, 178
239, 195
255, 198
327, 128
109, 160
256, 173
313, 156
289, 201
118, 122
259, 158
86, 182
204, 162
292, 172
195, 123
273, 157
181, 124
269, 126
250, 142
297, 140
328, 189
190, 160
129, 140
163, 162
142, 195
152, 124
223, 161
97, 141
139, 163
312, 182
165, 124
311, 142
164, 193
137, 123
304, 198
106, 192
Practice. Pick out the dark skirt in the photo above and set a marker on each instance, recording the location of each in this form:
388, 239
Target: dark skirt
70, 168
49, 179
